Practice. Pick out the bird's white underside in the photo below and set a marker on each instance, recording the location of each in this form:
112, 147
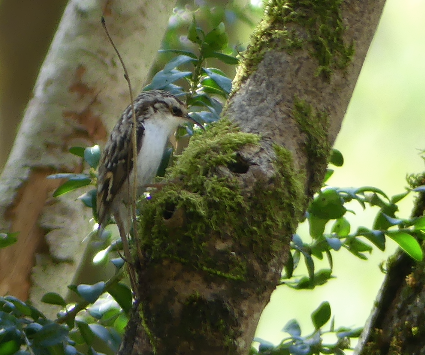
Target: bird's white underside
156, 134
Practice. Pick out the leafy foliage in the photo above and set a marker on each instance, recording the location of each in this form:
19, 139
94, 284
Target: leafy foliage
330, 229
310, 344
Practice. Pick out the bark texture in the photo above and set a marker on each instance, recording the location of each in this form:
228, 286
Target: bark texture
78, 96
396, 324
216, 239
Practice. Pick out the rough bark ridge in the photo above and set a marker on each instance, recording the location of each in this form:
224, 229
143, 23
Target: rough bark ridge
216, 238
396, 324
79, 94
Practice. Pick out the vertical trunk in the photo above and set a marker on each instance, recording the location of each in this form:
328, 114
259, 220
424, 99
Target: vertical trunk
215, 242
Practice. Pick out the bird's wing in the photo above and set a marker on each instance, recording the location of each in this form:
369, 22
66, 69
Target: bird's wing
115, 167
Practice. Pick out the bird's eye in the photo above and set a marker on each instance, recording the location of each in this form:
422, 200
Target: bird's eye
176, 111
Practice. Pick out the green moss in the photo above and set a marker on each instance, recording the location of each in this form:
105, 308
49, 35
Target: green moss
315, 126
256, 225
289, 25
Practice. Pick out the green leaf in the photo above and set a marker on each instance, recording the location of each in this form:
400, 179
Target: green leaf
293, 328
78, 151
91, 292
92, 156
328, 204
89, 198
375, 236
336, 158
341, 227
329, 173
179, 51
321, 315
419, 223
392, 221
51, 334
408, 243
419, 189
71, 185
20, 306
317, 225
7, 239
85, 332
381, 221
357, 247
163, 79
195, 34
101, 332
217, 39
122, 294
53, 298
10, 347
118, 263
334, 243
399, 197
222, 81
227, 59
371, 189
177, 61
289, 267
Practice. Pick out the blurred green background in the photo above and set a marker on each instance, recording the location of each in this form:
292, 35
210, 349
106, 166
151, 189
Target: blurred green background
381, 138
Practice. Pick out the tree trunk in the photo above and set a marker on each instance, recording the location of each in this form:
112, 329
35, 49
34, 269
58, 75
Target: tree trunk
396, 325
216, 238
79, 95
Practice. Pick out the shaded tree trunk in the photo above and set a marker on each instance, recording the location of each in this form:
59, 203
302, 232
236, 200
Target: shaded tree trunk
396, 325
215, 240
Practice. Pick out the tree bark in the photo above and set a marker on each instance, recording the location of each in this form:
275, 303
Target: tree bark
396, 323
79, 94
216, 238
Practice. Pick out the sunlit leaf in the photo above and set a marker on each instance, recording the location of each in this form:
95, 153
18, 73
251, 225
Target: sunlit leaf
71, 185
408, 243
341, 227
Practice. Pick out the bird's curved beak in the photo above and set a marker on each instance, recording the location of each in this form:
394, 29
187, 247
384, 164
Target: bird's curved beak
193, 120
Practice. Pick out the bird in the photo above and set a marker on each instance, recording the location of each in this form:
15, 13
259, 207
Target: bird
158, 115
